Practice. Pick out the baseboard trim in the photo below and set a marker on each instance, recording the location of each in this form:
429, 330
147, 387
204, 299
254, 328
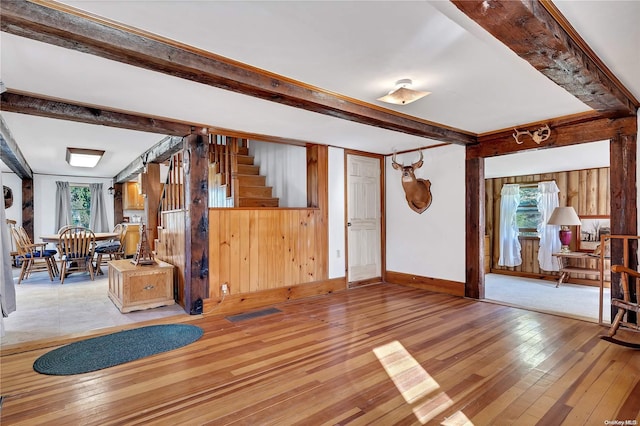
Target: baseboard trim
455, 288
237, 303
571, 280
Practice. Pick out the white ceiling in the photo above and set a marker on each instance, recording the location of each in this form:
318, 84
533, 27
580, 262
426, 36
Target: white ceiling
358, 49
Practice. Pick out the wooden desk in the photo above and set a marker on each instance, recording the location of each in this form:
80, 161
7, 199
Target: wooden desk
100, 236
565, 268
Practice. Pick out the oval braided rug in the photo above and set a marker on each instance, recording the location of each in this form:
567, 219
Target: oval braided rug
105, 351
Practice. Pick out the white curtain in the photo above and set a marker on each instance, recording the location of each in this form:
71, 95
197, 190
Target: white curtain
63, 205
7, 289
98, 221
509, 243
549, 234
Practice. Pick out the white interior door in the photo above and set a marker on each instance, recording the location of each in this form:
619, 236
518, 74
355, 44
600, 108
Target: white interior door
363, 218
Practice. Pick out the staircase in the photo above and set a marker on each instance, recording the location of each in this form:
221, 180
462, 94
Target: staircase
235, 181
252, 190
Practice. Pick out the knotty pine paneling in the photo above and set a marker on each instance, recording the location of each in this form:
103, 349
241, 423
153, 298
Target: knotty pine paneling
170, 247
586, 190
263, 249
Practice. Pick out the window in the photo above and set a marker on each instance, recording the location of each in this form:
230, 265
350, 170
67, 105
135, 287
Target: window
527, 215
80, 205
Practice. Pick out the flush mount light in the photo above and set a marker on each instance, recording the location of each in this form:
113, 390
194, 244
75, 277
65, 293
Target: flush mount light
80, 157
402, 94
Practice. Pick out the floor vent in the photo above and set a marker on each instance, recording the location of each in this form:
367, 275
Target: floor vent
251, 315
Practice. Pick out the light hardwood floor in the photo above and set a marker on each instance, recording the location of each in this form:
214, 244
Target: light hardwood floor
381, 354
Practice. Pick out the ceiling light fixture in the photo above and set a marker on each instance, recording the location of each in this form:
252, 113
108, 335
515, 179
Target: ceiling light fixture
81, 157
402, 94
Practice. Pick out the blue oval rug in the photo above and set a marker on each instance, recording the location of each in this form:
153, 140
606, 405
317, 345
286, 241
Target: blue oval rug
117, 348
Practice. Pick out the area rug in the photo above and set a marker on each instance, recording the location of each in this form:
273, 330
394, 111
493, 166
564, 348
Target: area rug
117, 348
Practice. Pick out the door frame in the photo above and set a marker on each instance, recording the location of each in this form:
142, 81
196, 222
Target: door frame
383, 238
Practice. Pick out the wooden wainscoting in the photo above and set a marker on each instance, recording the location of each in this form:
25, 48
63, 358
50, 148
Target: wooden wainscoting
253, 250
170, 247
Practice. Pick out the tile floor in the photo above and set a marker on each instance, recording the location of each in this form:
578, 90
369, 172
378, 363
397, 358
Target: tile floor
46, 309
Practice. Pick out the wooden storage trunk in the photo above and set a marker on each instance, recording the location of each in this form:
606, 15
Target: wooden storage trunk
133, 288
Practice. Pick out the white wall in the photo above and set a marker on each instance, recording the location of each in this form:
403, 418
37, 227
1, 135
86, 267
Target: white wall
285, 167
336, 213
574, 157
15, 183
431, 244
44, 193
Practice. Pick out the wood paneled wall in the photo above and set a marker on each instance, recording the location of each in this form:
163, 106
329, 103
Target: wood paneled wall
170, 248
586, 190
261, 249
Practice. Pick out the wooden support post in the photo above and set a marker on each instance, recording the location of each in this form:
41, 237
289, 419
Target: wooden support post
196, 193
151, 188
624, 214
118, 210
475, 192
318, 197
27, 206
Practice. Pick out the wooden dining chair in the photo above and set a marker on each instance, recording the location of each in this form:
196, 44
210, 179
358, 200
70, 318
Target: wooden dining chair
41, 247
33, 257
628, 307
13, 251
113, 249
76, 247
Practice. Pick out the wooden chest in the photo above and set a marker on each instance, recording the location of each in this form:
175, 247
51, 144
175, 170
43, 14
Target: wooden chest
133, 288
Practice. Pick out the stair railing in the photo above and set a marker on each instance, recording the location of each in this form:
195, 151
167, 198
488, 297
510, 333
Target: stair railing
172, 196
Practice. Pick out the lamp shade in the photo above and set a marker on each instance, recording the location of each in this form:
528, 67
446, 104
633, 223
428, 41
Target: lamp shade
564, 216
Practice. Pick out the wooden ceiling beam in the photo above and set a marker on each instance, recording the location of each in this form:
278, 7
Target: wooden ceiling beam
66, 27
563, 133
158, 153
538, 33
11, 154
44, 107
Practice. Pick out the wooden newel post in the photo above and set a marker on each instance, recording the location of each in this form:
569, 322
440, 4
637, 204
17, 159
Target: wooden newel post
196, 194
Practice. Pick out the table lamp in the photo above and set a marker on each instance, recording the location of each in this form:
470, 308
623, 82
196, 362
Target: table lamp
564, 217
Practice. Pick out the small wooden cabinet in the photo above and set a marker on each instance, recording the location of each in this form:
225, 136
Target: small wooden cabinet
134, 288
133, 199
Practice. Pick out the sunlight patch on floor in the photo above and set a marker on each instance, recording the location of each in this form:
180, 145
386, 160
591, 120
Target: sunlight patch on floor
415, 384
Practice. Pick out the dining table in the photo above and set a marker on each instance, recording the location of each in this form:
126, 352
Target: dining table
100, 236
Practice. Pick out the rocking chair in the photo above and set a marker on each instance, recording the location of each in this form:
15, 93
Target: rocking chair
627, 305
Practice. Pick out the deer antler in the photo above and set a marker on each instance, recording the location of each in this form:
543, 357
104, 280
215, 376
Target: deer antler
517, 134
393, 160
542, 134
418, 163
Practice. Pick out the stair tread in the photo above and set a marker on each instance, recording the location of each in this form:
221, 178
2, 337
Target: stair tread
258, 202
245, 159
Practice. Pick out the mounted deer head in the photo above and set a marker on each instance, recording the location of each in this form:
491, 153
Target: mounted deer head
8, 196
417, 191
